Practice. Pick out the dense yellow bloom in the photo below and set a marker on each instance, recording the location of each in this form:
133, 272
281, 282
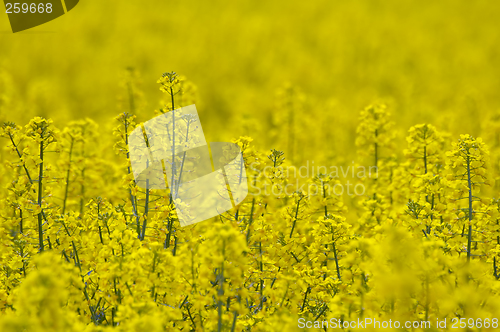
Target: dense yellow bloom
85, 248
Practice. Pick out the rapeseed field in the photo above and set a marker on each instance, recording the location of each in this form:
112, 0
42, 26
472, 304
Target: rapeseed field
370, 135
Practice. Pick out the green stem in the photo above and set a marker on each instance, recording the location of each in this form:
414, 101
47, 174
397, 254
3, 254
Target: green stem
234, 321
67, 176
336, 259
82, 191
495, 273
172, 186
174, 251
146, 210
469, 236
183, 160
174, 171
191, 317
261, 267
40, 195
305, 297
132, 196
295, 218
321, 312
25, 168
21, 221
20, 157
220, 291
425, 159
251, 219
76, 258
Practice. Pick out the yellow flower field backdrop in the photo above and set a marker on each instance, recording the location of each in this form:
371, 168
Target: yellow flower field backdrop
407, 88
